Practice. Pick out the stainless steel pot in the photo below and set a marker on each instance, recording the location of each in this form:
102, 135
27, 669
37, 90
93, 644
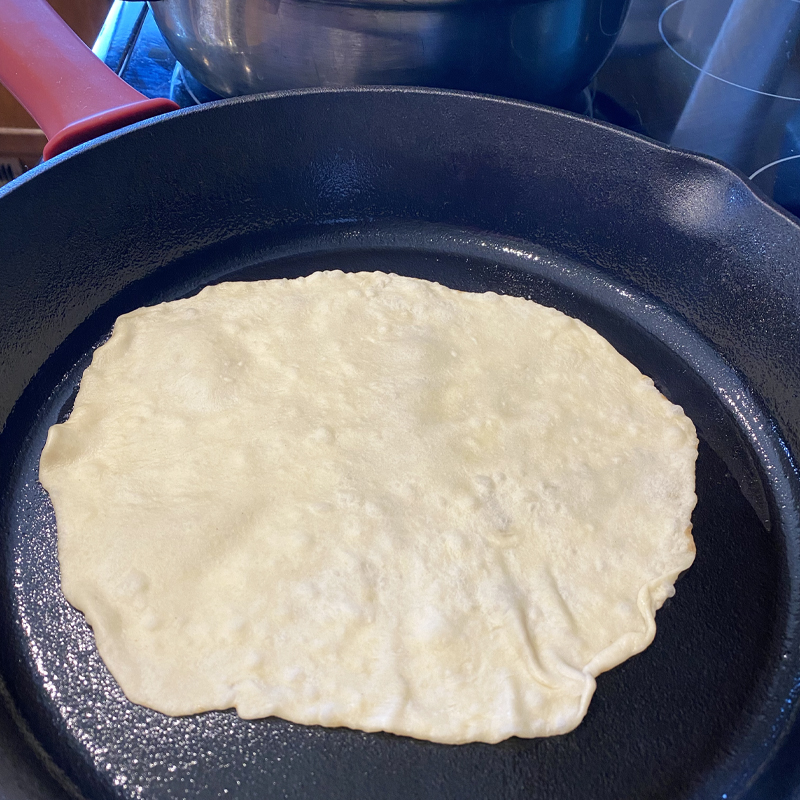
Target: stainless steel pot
542, 50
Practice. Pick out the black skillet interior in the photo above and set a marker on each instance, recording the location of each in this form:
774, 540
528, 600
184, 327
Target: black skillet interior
669, 256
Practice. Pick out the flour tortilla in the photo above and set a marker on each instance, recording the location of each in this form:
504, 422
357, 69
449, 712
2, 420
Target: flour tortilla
371, 501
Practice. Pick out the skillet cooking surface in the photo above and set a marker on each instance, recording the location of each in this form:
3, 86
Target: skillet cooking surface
475, 194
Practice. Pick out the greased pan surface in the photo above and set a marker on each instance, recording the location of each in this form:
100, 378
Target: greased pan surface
670, 256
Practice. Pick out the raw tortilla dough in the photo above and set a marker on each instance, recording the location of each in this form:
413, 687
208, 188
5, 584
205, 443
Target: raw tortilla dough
371, 501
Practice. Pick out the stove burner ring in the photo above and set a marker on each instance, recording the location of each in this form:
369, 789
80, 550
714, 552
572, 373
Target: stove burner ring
704, 71
777, 160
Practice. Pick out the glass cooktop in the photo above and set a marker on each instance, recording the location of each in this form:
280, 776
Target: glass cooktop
719, 77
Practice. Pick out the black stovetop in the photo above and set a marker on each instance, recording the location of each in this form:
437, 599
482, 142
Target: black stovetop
720, 77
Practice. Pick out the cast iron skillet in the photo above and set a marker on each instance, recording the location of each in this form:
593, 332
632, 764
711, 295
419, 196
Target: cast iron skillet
672, 257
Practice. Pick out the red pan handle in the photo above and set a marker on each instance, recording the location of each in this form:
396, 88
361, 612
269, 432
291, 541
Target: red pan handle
71, 94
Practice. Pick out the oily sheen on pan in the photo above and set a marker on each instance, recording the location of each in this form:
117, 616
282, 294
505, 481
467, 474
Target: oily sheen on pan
370, 501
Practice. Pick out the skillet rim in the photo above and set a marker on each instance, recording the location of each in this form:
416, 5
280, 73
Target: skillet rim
639, 138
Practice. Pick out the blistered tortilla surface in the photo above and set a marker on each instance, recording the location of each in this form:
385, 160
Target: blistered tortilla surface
369, 501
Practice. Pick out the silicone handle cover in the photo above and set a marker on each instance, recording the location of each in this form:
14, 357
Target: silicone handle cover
71, 94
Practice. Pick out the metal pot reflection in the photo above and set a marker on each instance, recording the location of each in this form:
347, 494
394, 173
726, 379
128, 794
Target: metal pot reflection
545, 50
